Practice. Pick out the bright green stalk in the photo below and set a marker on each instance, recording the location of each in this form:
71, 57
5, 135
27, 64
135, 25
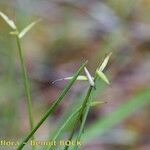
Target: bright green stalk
63, 126
80, 114
52, 107
26, 82
85, 113
85, 107
70, 137
26, 86
82, 124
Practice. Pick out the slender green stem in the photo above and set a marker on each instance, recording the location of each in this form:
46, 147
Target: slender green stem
82, 125
70, 136
52, 107
85, 114
80, 114
63, 126
26, 85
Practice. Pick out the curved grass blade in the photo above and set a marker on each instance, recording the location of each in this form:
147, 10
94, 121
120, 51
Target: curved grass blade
52, 107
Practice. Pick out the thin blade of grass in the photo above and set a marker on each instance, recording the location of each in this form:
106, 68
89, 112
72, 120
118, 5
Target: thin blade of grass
95, 103
26, 86
83, 113
60, 129
8, 21
87, 108
89, 100
90, 78
102, 76
105, 62
81, 117
77, 103
26, 29
52, 107
79, 78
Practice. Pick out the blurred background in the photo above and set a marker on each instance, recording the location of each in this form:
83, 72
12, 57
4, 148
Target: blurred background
72, 31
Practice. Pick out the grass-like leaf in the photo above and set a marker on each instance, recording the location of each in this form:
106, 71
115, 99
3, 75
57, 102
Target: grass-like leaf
105, 62
76, 104
95, 103
81, 117
63, 126
85, 111
26, 29
8, 21
26, 85
52, 107
80, 78
90, 78
102, 76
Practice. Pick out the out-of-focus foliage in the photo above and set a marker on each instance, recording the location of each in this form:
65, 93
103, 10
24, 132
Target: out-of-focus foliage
70, 32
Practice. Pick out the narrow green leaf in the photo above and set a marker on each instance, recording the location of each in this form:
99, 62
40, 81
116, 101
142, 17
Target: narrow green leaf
95, 103
102, 76
105, 62
52, 107
13, 33
60, 129
83, 114
80, 78
86, 111
8, 21
26, 29
26, 86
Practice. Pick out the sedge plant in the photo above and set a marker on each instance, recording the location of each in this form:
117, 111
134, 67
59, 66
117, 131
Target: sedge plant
80, 113
99, 73
52, 107
19, 36
88, 103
